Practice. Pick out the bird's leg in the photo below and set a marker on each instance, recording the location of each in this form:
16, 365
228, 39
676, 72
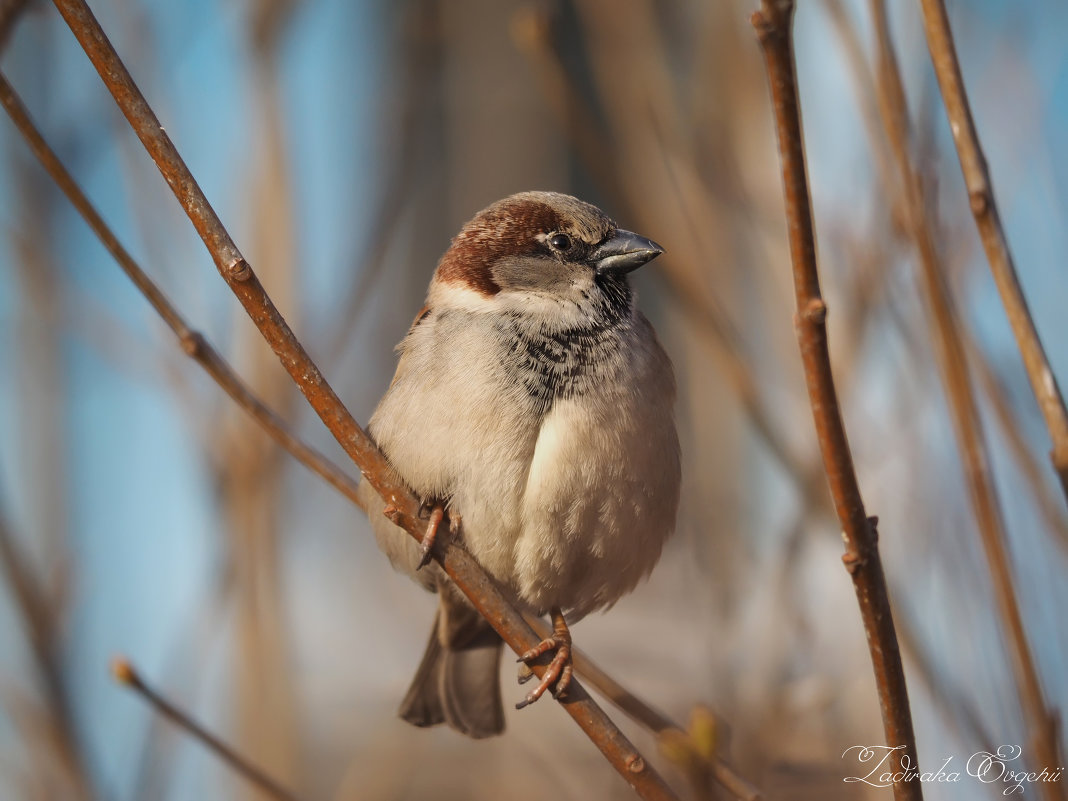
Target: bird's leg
430, 536
559, 669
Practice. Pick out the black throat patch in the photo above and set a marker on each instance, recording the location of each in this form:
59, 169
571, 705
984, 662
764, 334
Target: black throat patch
566, 363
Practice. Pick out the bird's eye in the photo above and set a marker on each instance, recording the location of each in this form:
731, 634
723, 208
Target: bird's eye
560, 242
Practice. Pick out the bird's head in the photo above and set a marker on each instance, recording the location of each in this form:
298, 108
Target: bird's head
541, 254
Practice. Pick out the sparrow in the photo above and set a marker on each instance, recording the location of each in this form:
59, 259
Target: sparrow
532, 408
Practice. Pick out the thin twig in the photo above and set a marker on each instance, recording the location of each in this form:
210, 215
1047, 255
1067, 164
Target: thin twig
988, 221
39, 619
958, 709
239, 276
193, 344
1050, 504
250, 470
125, 674
421, 41
41, 601
953, 360
532, 33
157, 759
1046, 498
10, 13
860, 75
773, 23
626, 702
647, 716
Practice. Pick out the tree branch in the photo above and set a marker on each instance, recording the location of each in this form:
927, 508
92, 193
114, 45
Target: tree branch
953, 361
651, 719
988, 221
42, 623
1048, 501
773, 23
648, 717
125, 674
192, 342
532, 33
239, 276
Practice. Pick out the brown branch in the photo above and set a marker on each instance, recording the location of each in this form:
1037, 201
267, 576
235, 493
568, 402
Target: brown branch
531, 30
645, 715
860, 75
193, 344
1049, 503
623, 699
908, 209
532, 33
958, 710
41, 601
773, 23
1046, 498
125, 674
953, 360
239, 276
420, 45
988, 221
250, 471
10, 13
42, 627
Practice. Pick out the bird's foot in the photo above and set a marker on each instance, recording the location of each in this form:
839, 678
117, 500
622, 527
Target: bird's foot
436, 513
559, 670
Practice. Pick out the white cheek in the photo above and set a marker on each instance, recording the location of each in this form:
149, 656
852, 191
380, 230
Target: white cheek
562, 311
552, 310
454, 295
459, 297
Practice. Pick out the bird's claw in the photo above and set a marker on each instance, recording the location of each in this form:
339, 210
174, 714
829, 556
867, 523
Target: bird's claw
525, 673
435, 515
430, 536
558, 671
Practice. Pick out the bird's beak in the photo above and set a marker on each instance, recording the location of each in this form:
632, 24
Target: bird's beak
624, 252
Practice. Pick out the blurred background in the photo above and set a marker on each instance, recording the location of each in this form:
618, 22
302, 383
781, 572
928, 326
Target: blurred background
343, 144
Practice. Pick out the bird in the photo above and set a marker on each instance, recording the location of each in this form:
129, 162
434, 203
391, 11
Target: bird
532, 409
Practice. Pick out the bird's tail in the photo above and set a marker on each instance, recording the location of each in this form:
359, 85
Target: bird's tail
458, 681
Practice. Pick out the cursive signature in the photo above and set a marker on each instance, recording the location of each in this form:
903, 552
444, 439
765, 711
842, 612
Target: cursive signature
885, 766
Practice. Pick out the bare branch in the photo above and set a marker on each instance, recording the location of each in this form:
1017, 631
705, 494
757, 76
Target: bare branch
1049, 502
957, 708
10, 12
953, 360
241, 279
650, 718
39, 586
773, 23
988, 221
39, 618
193, 344
1046, 498
250, 471
405, 166
532, 31
125, 674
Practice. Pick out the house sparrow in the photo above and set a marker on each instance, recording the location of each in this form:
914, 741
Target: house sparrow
533, 399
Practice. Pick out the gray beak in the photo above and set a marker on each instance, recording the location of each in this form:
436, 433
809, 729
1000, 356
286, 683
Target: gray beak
624, 252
